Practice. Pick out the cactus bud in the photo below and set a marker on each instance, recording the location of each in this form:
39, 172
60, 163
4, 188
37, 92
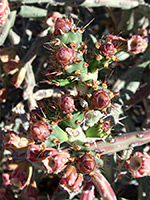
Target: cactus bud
65, 56
40, 131
107, 49
56, 163
36, 153
62, 26
4, 11
139, 165
86, 163
137, 44
100, 99
66, 104
52, 17
12, 141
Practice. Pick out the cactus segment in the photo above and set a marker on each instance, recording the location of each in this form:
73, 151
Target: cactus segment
70, 37
4, 29
76, 134
103, 186
32, 12
123, 142
57, 136
77, 118
128, 4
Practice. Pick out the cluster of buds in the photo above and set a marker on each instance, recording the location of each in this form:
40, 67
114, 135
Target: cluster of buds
4, 11
66, 118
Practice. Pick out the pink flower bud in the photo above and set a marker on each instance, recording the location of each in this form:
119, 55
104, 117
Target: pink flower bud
56, 163
12, 141
62, 26
65, 56
139, 165
100, 100
71, 180
137, 44
4, 11
22, 175
66, 104
40, 131
86, 163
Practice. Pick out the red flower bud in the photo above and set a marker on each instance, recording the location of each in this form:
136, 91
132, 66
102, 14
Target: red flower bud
65, 56
86, 163
62, 26
40, 131
100, 99
56, 163
66, 104
139, 165
137, 44
36, 153
107, 49
105, 126
52, 17
12, 141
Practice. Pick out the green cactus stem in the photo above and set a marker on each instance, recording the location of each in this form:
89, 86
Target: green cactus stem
4, 30
125, 4
126, 141
32, 12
